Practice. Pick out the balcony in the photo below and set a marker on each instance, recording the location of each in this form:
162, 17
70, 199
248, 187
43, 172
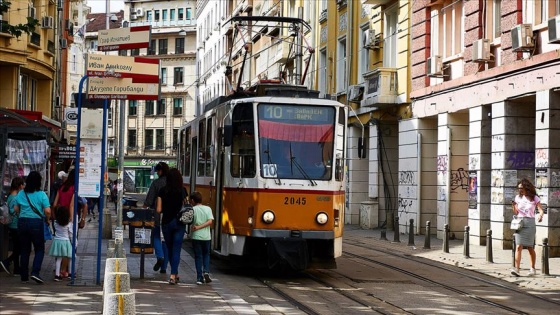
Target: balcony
323, 16
279, 51
381, 88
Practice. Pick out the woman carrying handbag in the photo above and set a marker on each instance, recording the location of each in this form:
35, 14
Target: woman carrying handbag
524, 206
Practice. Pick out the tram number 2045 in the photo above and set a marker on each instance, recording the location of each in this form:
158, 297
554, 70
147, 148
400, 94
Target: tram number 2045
300, 201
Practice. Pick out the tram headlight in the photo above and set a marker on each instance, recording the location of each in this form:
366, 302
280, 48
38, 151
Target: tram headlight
322, 218
268, 216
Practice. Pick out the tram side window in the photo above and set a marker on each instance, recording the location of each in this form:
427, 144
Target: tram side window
185, 157
243, 142
209, 148
201, 148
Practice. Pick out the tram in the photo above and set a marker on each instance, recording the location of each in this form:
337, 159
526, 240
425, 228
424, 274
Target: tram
271, 165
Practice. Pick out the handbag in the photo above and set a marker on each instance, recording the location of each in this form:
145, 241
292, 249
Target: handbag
46, 228
516, 223
185, 216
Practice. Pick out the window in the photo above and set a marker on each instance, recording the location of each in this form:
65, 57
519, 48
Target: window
23, 91
131, 139
93, 45
189, 13
243, 142
178, 106
156, 15
74, 62
363, 58
539, 11
123, 52
181, 14
162, 43
390, 40
149, 108
164, 15
149, 16
178, 75
110, 116
209, 147
152, 48
341, 66
135, 52
132, 107
149, 139
185, 152
175, 138
32, 94
160, 139
161, 107
172, 14
163, 76
322, 84
447, 28
179, 45
201, 148
111, 147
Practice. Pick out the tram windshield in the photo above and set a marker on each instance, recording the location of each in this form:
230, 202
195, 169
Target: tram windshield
296, 141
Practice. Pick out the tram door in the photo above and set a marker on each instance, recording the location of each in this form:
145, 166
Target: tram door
194, 163
217, 244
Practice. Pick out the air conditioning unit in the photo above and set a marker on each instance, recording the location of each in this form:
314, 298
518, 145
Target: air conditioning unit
133, 16
32, 12
522, 37
64, 43
554, 30
47, 22
481, 50
434, 67
140, 12
369, 41
355, 93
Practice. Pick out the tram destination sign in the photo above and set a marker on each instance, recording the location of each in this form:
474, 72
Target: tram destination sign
121, 89
301, 113
139, 69
124, 38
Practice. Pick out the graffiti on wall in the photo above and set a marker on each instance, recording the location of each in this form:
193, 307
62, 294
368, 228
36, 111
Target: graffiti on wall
442, 161
405, 205
407, 178
520, 159
473, 163
459, 180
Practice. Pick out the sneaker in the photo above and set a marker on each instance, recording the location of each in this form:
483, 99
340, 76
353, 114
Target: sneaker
158, 264
37, 279
207, 278
57, 278
532, 272
515, 272
199, 282
5, 267
163, 271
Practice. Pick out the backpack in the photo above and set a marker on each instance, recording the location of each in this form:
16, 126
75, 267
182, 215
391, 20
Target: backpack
5, 215
185, 216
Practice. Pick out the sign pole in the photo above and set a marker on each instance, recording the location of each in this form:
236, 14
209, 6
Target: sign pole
118, 245
102, 193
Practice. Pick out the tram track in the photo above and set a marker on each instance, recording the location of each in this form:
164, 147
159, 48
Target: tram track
426, 262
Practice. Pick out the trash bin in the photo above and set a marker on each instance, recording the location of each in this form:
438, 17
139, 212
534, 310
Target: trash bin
141, 222
129, 202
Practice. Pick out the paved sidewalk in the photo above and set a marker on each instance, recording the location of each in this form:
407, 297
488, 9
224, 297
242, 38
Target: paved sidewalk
154, 295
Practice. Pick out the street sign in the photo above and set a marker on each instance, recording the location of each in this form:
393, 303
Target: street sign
124, 38
140, 69
121, 89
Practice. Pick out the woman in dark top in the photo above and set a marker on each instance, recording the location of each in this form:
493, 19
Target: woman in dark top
169, 202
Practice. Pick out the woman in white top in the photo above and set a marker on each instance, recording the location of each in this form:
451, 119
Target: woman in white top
524, 206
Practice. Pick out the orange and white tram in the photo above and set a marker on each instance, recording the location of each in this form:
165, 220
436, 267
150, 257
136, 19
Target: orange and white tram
271, 166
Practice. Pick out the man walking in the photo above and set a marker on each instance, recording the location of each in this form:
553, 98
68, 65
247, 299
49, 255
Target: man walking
161, 251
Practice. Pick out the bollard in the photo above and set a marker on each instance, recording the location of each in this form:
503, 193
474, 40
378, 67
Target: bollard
119, 303
115, 265
411, 233
446, 238
489, 257
383, 235
544, 262
110, 253
513, 252
427, 236
396, 236
466, 242
116, 282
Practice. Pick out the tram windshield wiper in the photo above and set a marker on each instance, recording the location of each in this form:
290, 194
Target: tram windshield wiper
269, 159
293, 161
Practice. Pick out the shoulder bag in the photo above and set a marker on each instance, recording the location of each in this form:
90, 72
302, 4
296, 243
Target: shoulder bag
516, 223
46, 228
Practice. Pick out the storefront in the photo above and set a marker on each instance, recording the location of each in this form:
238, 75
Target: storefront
139, 173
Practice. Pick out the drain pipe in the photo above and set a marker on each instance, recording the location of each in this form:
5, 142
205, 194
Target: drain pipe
448, 175
419, 180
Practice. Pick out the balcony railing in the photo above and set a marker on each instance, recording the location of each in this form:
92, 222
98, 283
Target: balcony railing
323, 15
381, 87
164, 24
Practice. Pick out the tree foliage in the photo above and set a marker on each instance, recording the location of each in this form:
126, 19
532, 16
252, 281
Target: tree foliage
18, 29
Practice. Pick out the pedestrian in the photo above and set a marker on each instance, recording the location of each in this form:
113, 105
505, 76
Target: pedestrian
61, 247
201, 237
160, 249
169, 202
15, 187
91, 203
34, 210
524, 206
62, 176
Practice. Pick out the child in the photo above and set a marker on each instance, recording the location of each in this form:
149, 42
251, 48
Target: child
61, 246
17, 185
